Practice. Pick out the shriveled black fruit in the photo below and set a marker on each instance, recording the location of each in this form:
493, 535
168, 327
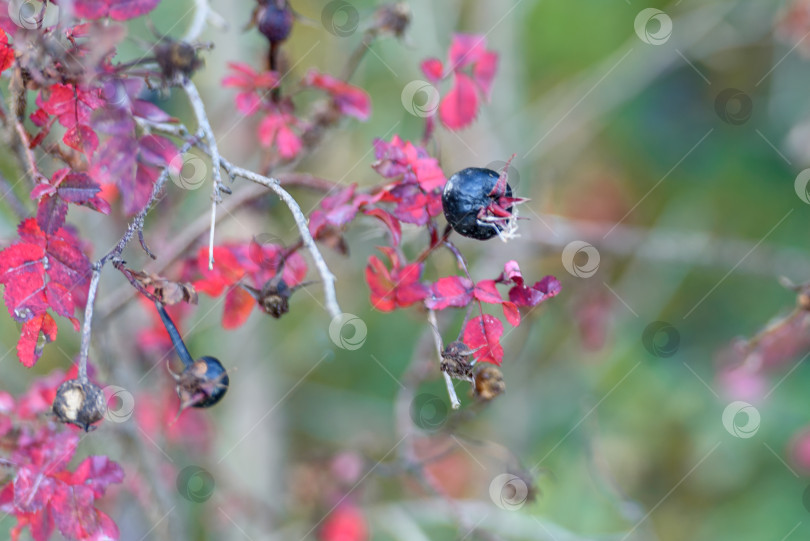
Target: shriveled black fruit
472, 205
275, 19
80, 404
202, 384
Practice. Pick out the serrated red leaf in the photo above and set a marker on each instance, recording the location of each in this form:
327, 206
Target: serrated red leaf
485, 332
459, 107
398, 287
523, 295
51, 213
450, 291
82, 138
485, 291
24, 267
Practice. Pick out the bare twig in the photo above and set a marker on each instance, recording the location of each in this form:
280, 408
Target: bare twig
301, 221
205, 127
88, 320
437, 339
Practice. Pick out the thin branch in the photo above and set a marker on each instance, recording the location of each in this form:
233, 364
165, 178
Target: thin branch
88, 320
328, 278
205, 126
448, 381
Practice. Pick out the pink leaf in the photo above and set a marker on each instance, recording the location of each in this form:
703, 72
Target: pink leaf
460, 106
82, 138
449, 291
433, 69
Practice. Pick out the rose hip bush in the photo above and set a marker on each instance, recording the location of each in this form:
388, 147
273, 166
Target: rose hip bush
82, 125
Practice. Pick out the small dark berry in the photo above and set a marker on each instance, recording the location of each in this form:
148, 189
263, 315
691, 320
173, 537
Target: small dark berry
81, 404
468, 200
488, 382
275, 20
202, 384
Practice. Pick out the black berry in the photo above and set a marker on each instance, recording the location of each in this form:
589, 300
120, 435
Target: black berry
472, 205
202, 384
274, 19
79, 403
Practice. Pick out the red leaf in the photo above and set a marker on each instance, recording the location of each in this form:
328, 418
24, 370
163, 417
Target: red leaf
350, 100
485, 332
460, 106
450, 291
82, 138
433, 69
238, 306
511, 313
485, 291
6, 52
398, 287
51, 213
120, 10
484, 72
24, 267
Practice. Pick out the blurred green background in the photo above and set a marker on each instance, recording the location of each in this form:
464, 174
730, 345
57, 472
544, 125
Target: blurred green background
608, 129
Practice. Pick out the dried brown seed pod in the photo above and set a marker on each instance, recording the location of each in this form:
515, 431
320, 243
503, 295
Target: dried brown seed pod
79, 403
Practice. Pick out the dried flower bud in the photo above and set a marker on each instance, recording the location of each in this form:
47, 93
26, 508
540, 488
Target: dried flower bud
393, 18
488, 382
81, 404
456, 362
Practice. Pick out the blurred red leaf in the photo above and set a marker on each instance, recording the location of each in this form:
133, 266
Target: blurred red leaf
398, 287
119, 10
345, 523
350, 100
6, 52
450, 291
459, 107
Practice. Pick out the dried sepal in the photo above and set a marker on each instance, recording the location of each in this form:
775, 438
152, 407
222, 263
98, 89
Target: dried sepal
79, 403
